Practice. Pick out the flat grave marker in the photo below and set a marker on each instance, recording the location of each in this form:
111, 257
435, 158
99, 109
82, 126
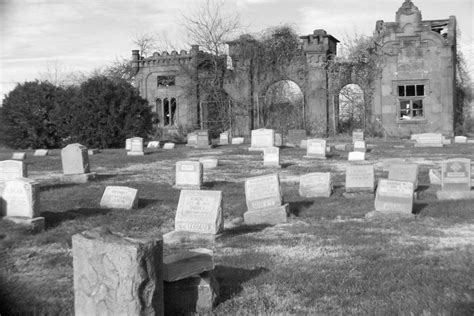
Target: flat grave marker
169, 146
356, 156
428, 140
209, 162
120, 197
237, 140
460, 139
41, 152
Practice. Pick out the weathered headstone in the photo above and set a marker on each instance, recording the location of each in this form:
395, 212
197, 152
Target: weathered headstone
128, 144
224, 138
12, 169
263, 198
168, 146
428, 140
119, 197
404, 172
455, 180
271, 157
41, 152
359, 145
262, 138
295, 136
394, 196
360, 178
21, 203
237, 140
356, 156
191, 139
19, 156
203, 140
75, 162
460, 139
189, 175
153, 144
316, 148
209, 162
278, 140
117, 275
136, 148
316, 184
357, 135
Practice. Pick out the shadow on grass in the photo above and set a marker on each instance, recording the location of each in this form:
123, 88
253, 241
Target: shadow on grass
418, 207
213, 184
295, 208
53, 219
56, 185
146, 202
287, 164
101, 177
244, 229
231, 279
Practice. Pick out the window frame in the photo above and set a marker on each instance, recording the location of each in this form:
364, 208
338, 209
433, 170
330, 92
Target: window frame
411, 100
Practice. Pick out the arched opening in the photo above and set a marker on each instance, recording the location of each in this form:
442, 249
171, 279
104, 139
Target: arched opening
351, 110
282, 108
159, 110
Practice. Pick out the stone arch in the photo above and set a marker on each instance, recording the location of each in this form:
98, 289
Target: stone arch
350, 111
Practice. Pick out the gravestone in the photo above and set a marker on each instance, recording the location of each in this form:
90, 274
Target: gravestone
209, 162
394, 196
304, 143
41, 152
460, 139
356, 156
271, 157
136, 148
191, 139
117, 275
75, 162
316, 184
224, 138
203, 140
278, 140
428, 140
404, 172
295, 136
316, 148
435, 176
200, 212
21, 203
455, 179
262, 138
12, 169
357, 135
263, 198
128, 144
19, 156
359, 145
153, 144
237, 140
168, 146
360, 178
119, 197
189, 175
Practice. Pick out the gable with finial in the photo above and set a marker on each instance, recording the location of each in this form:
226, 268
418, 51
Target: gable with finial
408, 17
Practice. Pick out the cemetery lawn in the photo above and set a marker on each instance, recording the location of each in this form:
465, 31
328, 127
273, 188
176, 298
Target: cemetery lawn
328, 258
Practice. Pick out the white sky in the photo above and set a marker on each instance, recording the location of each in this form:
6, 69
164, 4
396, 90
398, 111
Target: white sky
87, 34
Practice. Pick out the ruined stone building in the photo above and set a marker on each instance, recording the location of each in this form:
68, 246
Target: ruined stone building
412, 91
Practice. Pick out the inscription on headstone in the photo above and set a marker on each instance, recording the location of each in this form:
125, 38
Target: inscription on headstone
189, 175
394, 196
360, 178
359, 145
456, 175
119, 197
316, 184
136, 148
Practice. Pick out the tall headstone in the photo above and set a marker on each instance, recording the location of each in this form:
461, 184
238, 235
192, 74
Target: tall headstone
394, 196
262, 138
271, 157
19, 156
360, 178
75, 162
316, 184
117, 275
455, 179
357, 135
189, 175
316, 148
119, 197
429, 140
12, 169
203, 139
224, 138
21, 203
136, 148
263, 198
404, 172
295, 136
359, 145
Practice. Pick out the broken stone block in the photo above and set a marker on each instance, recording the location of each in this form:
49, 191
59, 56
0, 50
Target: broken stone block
435, 176
186, 264
117, 275
196, 294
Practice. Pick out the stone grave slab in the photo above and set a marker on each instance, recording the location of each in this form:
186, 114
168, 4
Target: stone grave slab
128, 144
460, 139
359, 145
237, 140
168, 146
19, 156
186, 264
357, 135
41, 152
316, 148
12, 169
263, 192
356, 156
429, 140
189, 175
316, 184
191, 139
262, 138
119, 197
394, 196
200, 212
271, 157
117, 275
136, 148
295, 136
360, 178
404, 172
203, 140
224, 138
209, 162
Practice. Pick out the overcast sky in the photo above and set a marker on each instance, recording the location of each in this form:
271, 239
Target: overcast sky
81, 35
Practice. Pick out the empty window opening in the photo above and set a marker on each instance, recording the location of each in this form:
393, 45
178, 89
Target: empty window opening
411, 101
165, 81
169, 111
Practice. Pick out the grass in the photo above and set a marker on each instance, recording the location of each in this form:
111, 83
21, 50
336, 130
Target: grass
328, 259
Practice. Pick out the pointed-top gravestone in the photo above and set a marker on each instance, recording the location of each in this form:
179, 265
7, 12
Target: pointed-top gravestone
75, 162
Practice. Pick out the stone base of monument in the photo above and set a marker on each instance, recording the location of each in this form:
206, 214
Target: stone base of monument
429, 144
455, 195
388, 215
186, 264
359, 195
135, 153
315, 157
179, 237
78, 178
34, 224
271, 216
272, 165
256, 148
187, 187
197, 294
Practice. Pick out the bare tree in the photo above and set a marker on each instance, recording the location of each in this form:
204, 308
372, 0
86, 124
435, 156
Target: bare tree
59, 74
